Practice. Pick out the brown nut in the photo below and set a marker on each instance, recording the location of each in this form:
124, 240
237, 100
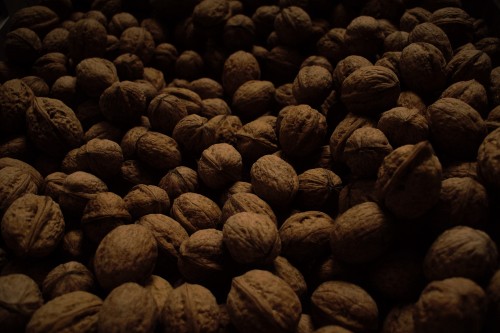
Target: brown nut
87, 38
404, 126
94, 75
246, 202
22, 46
220, 165
138, 41
195, 211
253, 99
178, 181
77, 189
257, 138
15, 98
146, 199
66, 278
123, 104
239, 68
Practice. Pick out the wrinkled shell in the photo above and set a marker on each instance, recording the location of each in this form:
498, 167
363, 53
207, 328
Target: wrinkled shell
318, 187
220, 165
86, 39
146, 199
403, 126
14, 183
469, 65
488, 159
159, 151
78, 188
239, 68
283, 269
15, 98
257, 138
343, 131
471, 92
246, 202
179, 180
165, 111
66, 278
195, 211
94, 75
123, 103
253, 99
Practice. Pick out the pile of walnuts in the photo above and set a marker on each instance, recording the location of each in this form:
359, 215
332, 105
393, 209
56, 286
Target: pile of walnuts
252, 166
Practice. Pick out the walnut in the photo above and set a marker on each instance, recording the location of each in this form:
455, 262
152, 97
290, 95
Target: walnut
56, 40
246, 202
65, 90
253, 99
189, 65
158, 151
356, 192
471, 92
134, 172
19, 147
263, 18
254, 294
318, 188
364, 37
370, 90
147, 199
190, 305
75, 311
178, 181
220, 165
430, 33
159, 289
87, 39
126, 254
487, 159
195, 211
123, 103
316, 60
456, 128
210, 16
493, 292
88, 113
345, 304
202, 258
120, 22
312, 85
77, 189
461, 169
283, 95
102, 157
128, 306
332, 45
155, 28
283, 269
107, 7
138, 41
207, 88
239, 68
226, 127
40, 19
20, 297
293, 26
257, 138
38, 85
129, 67
396, 41
490, 46
411, 100
15, 98
399, 320
103, 213
193, 134
96, 15
419, 170
456, 23
164, 57
189, 98
94, 75
403, 126
165, 111
494, 85
22, 46
51, 66
456, 304
422, 67
239, 33
33, 226
105, 131
461, 252
343, 131
274, 180
469, 65
66, 278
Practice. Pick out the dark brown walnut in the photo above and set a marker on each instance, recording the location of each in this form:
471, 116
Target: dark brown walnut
283, 95
148, 89
35, 176
316, 60
246, 202
73, 245
226, 127
253, 99
396, 41
422, 67
318, 188
77, 189
490, 46
399, 320
343, 131
362, 233
102, 157
456, 128
220, 165
165, 111
411, 100
331, 45
190, 306
207, 88
32, 226
88, 112
430, 33
134, 172
493, 293
107, 7
129, 67
487, 159
419, 170
155, 27
456, 23
127, 253
300, 129
15, 98
164, 57
195, 212
364, 36
51, 66
189, 65
103, 130
178, 181
94, 75
75, 311
159, 289
87, 39
102, 214
193, 134
138, 41
461, 169
146, 199
257, 138
65, 90
463, 200
469, 65
20, 297
96, 15
456, 304
461, 252
274, 180
38, 85
66, 278
22, 46
155, 77
210, 16
17, 147
254, 294
293, 26
203, 257
120, 22
251, 238
239, 68
169, 235
57, 40
73, 162
189, 98
312, 85
283, 269
40, 19
123, 104
239, 33
158, 151
237, 187
471, 92
494, 86
128, 306
365, 151
305, 236
370, 90
345, 304
404, 126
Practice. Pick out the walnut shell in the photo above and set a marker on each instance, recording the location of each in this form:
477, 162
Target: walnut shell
239, 68
38, 85
226, 127
195, 211
364, 36
40, 19
318, 187
146, 199
66, 278
343, 131
126, 254
159, 151
253, 99
33, 226
193, 134
94, 75
283, 269
430, 33
487, 159
15, 98
165, 111
22, 46
399, 320
54, 184
159, 289
138, 41
78, 188
456, 23
471, 92
212, 107
87, 39
178, 181
57, 40
246, 202
293, 26
257, 138
259, 301
404, 126
120, 22
103, 157
469, 65
493, 292
220, 165
251, 238
123, 103
396, 41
